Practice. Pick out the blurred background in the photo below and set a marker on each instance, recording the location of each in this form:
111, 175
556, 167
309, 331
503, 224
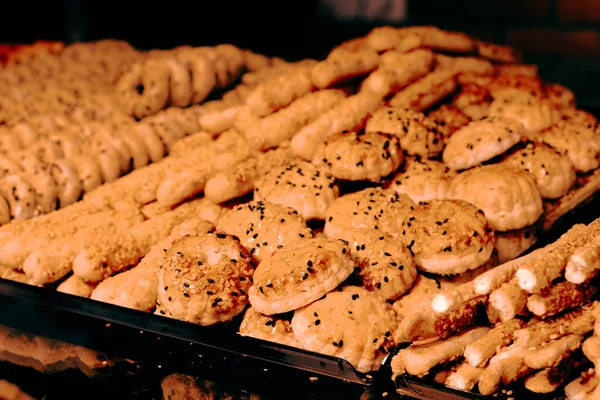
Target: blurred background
562, 36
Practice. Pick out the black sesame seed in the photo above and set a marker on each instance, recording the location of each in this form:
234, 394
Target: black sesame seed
221, 235
318, 322
186, 294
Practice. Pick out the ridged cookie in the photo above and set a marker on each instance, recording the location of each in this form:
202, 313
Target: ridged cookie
423, 180
269, 328
579, 142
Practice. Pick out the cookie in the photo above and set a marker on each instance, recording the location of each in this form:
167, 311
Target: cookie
509, 198
268, 328
533, 113
427, 91
515, 85
352, 324
449, 119
298, 185
517, 69
464, 64
559, 95
448, 237
385, 265
481, 141
299, 274
579, 142
264, 227
205, 278
474, 100
423, 180
418, 134
359, 156
496, 52
372, 208
342, 65
553, 172
510, 245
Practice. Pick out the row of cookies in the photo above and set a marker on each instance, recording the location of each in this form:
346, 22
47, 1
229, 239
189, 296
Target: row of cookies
543, 310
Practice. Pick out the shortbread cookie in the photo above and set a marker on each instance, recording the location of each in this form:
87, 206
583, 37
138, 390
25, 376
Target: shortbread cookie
298, 185
448, 237
418, 134
398, 70
352, 324
510, 245
301, 273
481, 141
264, 227
559, 95
351, 115
578, 142
533, 113
268, 328
359, 156
553, 172
464, 64
517, 69
371, 208
386, 266
341, 65
577, 116
444, 40
205, 278
423, 180
474, 100
427, 91
509, 198
449, 119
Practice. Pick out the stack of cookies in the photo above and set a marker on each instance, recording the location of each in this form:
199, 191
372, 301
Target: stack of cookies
344, 206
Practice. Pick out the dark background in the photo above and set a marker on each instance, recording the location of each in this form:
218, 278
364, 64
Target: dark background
562, 36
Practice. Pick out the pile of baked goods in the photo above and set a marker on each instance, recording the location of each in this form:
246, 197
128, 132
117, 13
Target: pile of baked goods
345, 206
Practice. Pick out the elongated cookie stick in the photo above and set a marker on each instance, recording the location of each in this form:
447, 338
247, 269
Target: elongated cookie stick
552, 353
52, 262
276, 128
76, 286
580, 388
559, 297
487, 346
508, 300
427, 91
342, 65
418, 360
503, 369
228, 185
539, 274
113, 253
584, 262
137, 287
465, 377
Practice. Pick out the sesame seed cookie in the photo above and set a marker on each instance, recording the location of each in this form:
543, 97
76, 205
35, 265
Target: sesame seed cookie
352, 324
301, 273
385, 265
264, 227
372, 208
535, 114
359, 156
581, 143
509, 198
423, 179
481, 141
299, 185
553, 172
205, 278
449, 119
418, 134
268, 328
510, 245
449, 237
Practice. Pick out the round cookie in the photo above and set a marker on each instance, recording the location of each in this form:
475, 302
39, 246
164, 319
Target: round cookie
386, 266
372, 208
301, 273
204, 279
535, 114
554, 173
473, 100
581, 143
559, 96
510, 245
268, 328
423, 180
448, 237
481, 141
418, 134
352, 324
264, 227
509, 198
299, 185
359, 156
